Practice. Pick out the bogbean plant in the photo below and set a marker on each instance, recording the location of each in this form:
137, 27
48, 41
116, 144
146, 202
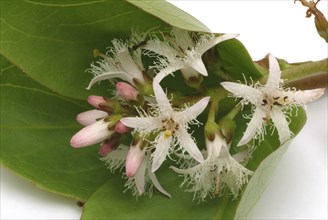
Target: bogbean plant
157, 116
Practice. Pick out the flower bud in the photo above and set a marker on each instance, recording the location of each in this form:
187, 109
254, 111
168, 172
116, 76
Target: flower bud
121, 128
91, 134
127, 92
192, 77
134, 159
228, 127
95, 100
210, 130
90, 117
109, 145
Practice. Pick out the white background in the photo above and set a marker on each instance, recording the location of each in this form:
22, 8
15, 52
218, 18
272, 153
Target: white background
299, 187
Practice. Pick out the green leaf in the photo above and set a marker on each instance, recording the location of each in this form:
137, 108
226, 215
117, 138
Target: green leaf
11, 75
236, 61
171, 14
36, 126
258, 183
52, 40
109, 201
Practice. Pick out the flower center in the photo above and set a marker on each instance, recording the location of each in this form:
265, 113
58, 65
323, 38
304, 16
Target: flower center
269, 101
169, 127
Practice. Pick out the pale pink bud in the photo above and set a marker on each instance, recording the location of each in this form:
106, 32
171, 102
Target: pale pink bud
134, 159
92, 134
127, 92
90, 117
95, 100
108, 146
121, 128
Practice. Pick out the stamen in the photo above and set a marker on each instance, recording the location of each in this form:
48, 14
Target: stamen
277, 103
97, 53
167, 134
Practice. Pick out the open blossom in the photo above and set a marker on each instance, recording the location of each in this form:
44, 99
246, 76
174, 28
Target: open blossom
219, 170
183, 50
137, 164
270, 101
171, 126
121, 65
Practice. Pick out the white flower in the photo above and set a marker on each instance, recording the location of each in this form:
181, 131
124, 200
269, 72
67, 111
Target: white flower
183, 51
142, 181
172, 126
270, 101
219, 169
122, 66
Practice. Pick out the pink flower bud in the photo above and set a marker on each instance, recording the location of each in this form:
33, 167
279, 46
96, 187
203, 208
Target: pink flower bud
127, 92
90, 117
91, 134
134, 159
108, 146
121, 128
95, 100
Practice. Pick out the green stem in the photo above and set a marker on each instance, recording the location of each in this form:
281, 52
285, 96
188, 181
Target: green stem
305, 73
233, 113
217, 94
305, 70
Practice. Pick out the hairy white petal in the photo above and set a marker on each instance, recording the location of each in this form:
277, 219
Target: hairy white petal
140, 177
303, 97
192, 112
198, 65
214, 41
161, 151
253, 127
241, 156
243, 91
162, 101
110, 75
168, 70
161, 48
274, 74
182, 38
157, 184
281, 123
143, 123
115, 159
128, 64
187, 143
180, 171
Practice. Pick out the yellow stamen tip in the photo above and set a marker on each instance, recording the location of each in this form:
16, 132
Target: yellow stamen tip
167, 134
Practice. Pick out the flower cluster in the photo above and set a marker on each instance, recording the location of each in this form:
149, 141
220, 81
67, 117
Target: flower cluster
158, 123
